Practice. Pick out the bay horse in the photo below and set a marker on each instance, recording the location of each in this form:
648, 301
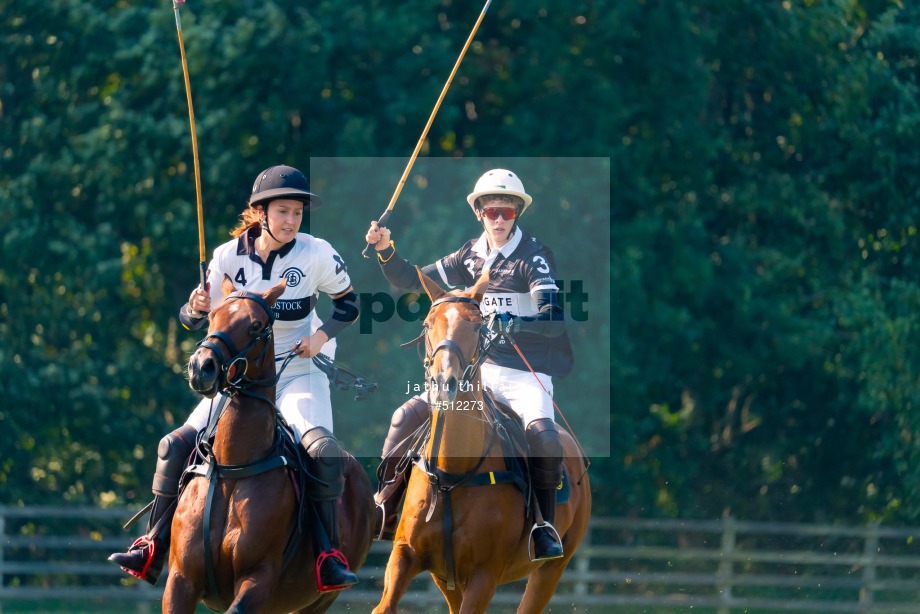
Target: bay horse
484, 540
252, 518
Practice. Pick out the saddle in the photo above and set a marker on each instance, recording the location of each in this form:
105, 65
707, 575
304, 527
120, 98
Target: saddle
509, 432
286, 452
515, 446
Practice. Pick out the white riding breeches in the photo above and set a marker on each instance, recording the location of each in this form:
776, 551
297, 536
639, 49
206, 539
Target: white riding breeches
302, 398
520, 390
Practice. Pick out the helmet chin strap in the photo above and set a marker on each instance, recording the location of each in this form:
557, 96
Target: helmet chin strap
265, 224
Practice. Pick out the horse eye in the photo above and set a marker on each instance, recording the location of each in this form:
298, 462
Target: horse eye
254, 328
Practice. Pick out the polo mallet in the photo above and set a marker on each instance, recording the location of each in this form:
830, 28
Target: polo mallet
191, 119
402, 180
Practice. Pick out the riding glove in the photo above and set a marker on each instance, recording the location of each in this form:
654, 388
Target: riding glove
503, 323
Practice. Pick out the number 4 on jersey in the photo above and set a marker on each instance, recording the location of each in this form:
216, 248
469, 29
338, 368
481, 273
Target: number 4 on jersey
240, 277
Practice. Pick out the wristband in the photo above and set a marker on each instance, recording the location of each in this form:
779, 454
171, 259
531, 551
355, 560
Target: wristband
392, 247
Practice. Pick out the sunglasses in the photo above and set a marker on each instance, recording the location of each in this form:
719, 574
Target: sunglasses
506, 212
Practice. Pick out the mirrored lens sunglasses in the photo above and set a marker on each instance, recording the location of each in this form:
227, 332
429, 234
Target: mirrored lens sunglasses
506, 212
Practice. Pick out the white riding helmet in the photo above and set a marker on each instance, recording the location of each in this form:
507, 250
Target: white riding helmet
499, 181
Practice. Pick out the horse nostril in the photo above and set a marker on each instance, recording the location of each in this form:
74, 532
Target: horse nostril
208, 368
451, 385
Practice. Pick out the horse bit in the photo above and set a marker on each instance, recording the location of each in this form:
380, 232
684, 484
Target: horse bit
482, 346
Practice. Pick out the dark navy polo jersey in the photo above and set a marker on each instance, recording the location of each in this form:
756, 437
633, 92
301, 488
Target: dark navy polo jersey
518, 271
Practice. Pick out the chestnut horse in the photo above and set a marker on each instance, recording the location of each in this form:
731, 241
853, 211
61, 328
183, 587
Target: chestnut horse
489, 535
252, 518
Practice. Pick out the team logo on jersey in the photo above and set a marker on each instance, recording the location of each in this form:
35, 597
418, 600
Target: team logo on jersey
293, 276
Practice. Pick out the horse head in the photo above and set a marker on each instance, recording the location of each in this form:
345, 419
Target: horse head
244, 320
453, 338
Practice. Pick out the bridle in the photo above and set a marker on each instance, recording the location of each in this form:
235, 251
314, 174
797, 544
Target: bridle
449, 345
233, 367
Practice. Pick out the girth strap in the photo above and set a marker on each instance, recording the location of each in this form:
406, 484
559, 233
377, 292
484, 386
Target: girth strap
208, 559
481, 479
236, 472
447, 524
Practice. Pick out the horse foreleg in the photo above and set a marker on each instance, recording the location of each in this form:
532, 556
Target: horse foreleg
253, 591
180, 595
541, 585
478, 593
401, 568
454, 597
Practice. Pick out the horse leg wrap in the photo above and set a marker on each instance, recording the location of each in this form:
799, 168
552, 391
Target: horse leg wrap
545, 462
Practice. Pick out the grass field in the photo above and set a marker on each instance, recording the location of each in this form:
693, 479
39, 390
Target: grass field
153, 607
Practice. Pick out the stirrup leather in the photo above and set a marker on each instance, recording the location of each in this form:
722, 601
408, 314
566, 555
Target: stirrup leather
151, 552
531, 553
336, 554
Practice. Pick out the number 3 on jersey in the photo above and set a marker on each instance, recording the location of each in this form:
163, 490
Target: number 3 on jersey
543, 265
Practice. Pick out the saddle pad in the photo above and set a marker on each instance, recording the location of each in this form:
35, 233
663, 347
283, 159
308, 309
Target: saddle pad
563, 491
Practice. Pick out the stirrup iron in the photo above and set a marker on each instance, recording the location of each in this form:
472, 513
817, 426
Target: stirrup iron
531, 552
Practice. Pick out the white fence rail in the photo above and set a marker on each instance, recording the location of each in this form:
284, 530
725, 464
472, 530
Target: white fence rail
721, 566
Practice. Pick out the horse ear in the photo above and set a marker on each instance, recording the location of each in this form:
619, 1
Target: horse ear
226, 285
479, 288
273, 293
433, 290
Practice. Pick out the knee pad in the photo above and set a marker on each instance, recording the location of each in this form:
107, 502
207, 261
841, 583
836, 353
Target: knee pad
326, 462
406, 419
545, 453
172, 457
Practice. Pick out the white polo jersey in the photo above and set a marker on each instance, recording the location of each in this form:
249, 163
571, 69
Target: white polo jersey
309, 264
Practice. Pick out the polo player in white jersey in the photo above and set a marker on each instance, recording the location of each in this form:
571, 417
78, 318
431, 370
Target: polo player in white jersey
267, 247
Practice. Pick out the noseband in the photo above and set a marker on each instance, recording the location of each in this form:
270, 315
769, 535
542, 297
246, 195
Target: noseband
450, 345
233, 368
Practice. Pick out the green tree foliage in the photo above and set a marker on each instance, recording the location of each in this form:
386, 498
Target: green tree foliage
768, 235
763, 223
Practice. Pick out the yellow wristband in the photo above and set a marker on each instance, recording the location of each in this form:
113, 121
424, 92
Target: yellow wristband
391, 254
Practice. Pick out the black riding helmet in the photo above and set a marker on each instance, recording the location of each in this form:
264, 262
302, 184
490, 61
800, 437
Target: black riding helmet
283, 182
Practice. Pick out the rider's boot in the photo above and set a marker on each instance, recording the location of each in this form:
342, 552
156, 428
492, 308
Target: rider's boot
326, 463
546, 473
392, 474
147, 555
